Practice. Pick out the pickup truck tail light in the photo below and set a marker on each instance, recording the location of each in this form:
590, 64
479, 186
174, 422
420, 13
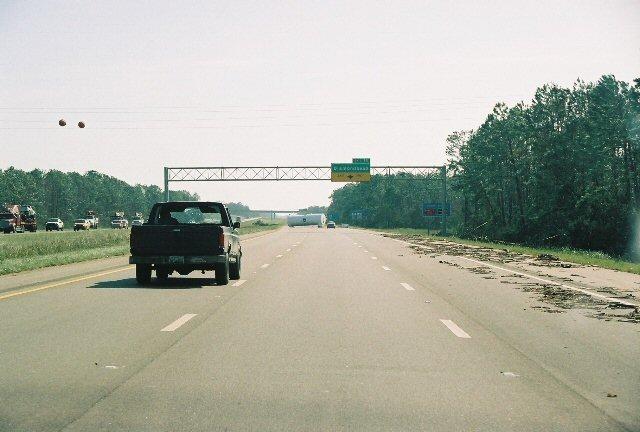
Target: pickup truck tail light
221, 240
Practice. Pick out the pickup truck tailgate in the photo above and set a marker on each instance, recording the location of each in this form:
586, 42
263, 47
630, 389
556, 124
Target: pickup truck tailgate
152, 240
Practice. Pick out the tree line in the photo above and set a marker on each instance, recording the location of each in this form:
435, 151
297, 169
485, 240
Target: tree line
69, 195
561, 170
386, 201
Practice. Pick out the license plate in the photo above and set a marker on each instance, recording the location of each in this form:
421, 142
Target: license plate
176, 260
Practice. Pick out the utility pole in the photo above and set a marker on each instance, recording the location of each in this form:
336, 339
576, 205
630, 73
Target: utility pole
443, 173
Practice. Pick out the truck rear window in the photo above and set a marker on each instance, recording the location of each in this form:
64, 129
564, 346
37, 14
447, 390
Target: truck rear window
181, 214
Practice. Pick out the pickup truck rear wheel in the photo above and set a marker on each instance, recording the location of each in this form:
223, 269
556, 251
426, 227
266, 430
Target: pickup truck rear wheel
234, 269
143, 273
222, 273
162, 274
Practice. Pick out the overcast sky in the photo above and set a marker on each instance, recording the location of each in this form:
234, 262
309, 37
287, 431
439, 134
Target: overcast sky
275, 83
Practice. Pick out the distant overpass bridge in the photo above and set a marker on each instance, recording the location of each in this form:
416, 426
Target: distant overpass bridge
272, 213
275, 211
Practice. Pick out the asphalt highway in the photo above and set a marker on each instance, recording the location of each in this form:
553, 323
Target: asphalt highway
327, 330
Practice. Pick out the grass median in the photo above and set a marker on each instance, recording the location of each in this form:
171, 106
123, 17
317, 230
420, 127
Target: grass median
29, 251
577, 256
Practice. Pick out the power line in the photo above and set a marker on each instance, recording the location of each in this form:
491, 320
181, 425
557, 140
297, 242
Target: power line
240, 126
472, 100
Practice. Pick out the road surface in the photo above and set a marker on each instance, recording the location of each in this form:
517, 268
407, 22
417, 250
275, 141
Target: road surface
327, 330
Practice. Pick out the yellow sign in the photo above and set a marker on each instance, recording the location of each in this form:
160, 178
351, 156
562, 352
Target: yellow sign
350, 176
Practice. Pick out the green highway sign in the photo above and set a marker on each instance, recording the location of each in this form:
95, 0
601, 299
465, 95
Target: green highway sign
349, 167
350, 172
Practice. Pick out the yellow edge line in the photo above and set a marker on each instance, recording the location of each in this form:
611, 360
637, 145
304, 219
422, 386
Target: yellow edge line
66, 282
260, 235
91, 276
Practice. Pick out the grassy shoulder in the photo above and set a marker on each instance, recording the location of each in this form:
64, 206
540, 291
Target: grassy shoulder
261, 225
30, 251
565, 254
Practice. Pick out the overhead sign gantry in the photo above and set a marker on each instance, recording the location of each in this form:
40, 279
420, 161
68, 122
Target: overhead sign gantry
359, 169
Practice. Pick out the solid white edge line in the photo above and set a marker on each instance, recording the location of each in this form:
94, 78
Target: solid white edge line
583, 291
407, 286
264, 266
178, 323
455, 329
238, 282
385, 268
550, 282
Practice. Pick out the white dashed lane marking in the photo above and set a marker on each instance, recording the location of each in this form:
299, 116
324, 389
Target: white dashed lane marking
455, 329
385, 268
374, 258
407, 286
239, 282
288, 250
264, 266
178, 323
278, 256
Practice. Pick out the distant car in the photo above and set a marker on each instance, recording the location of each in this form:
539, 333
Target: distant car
345, 225
331, 224
54, 224
93, 219
137, 222
119, 223
81, 224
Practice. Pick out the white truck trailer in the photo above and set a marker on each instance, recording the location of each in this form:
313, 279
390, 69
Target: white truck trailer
307, 220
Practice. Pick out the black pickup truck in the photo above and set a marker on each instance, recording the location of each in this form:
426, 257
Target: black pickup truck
183, 236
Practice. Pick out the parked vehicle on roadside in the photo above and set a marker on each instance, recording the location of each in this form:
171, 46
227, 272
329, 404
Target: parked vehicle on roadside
81, 225
137, 219
28, 216
54, 224
18, 218
9, 220
93, 218
331, 224
118, 221
184, 236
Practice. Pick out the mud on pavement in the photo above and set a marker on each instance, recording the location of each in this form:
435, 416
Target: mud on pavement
555, 298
